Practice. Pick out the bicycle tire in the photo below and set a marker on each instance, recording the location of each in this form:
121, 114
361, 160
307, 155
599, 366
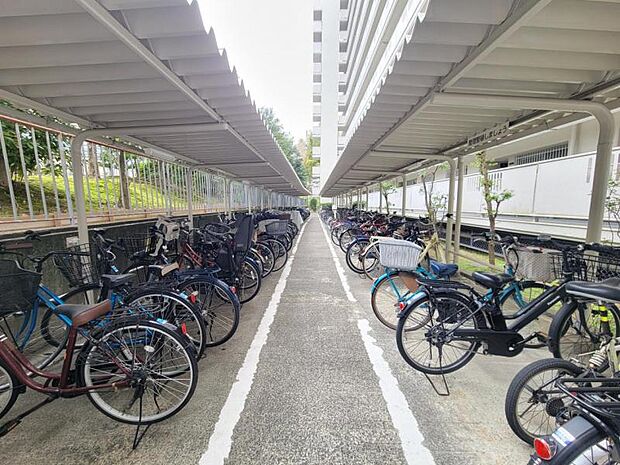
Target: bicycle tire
377, 289
562, 328
248, 292
353, 254
10, 388
511, 296
466, 305
206, 287
518, 386
198, 334
279, 251
124, 326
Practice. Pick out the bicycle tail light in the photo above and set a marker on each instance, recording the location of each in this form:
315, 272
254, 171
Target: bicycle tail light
545, 448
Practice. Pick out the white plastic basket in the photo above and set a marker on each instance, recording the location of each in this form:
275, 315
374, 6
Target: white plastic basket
399, 254
535, 264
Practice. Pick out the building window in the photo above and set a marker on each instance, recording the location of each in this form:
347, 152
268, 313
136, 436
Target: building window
543, 154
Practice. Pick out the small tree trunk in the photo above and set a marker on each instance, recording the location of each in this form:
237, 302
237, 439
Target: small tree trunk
4, 180
491, 244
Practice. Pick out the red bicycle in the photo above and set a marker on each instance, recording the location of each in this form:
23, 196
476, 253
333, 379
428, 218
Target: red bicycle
133, 370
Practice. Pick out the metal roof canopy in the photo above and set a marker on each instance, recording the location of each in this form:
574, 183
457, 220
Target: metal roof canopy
148, 70
555, 53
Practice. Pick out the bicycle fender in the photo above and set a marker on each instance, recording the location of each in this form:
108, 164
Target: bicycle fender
414, 300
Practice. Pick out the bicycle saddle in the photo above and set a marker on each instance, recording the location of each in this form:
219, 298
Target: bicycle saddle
607, 290
491, 281
82, 314
444, 270
114, 281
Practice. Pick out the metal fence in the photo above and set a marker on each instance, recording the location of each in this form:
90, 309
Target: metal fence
120, 182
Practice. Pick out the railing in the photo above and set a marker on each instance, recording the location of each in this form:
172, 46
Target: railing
120, 182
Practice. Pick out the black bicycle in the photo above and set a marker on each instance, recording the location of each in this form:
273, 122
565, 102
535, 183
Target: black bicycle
443, 327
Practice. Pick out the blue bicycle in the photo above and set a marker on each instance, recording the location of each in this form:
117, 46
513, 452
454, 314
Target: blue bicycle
392, 290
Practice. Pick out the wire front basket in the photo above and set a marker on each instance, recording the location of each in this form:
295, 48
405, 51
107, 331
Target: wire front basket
399, 254
276, 227
139, 243
77, 265
586, 265
18, 287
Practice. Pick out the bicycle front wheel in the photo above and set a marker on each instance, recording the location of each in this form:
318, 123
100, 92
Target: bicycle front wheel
218, 305
152, 367
578, 329
533, 402
175, 309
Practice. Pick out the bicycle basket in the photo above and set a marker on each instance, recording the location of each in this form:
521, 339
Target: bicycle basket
587, 266
276, 227
18, 287
136, 243
77, 265
399, 254
535, 264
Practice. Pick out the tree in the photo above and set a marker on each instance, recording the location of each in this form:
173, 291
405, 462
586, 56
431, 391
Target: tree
612, 205
286, 143
492, 198
433, 202
388, 187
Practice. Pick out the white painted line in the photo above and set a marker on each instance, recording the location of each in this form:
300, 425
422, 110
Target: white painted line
220, 442
411, 437
404, 422
339, 268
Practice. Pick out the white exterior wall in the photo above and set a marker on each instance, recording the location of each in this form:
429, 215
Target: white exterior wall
329, 86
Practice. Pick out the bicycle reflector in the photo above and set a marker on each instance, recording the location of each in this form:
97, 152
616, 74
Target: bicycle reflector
401, 306
545, 448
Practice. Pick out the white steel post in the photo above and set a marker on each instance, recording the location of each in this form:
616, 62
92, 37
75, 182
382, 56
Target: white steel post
366, 206
380, 197
404, 197
190, 197
459, 211
78, 187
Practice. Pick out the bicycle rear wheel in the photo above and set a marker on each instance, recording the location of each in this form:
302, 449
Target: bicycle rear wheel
158, 377
423, 333
250, 281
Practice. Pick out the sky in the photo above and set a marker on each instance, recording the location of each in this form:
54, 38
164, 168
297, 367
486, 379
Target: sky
270, 44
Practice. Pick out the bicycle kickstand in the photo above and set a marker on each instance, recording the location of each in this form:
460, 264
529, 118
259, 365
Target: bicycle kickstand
7, 427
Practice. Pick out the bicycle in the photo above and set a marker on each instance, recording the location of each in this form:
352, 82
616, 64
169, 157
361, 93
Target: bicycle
126, 367
456, 317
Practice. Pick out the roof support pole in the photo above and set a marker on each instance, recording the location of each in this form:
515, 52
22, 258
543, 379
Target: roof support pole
78, 186
403, 202
450, 206
381, 198
459, 210
190, 197
367, 204
603, 150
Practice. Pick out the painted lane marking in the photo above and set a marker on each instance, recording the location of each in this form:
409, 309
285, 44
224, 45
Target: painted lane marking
404, 422
339, 268
220, 442
406, 425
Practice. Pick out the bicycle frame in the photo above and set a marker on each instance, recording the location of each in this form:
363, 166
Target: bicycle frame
18, 364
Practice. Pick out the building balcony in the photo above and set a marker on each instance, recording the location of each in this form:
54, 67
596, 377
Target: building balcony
316, 131
316, 153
